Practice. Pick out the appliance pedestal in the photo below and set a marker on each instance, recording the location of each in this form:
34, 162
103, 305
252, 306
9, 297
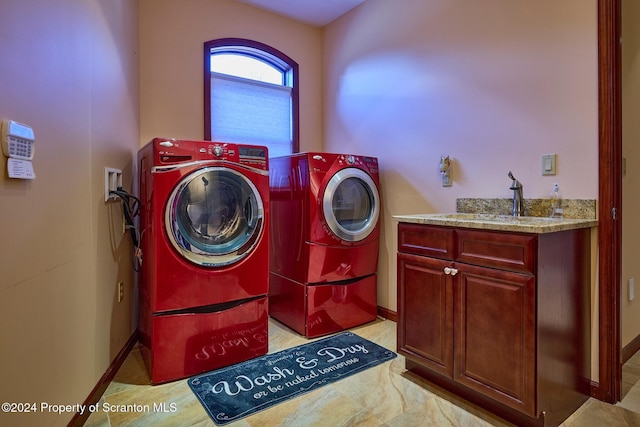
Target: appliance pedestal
316, 309
176, 346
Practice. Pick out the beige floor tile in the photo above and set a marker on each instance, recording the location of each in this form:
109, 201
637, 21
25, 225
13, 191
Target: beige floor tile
132, 374
631, 399
595, 413
384, 395
630, 373
98, 418
635, 359
438, 412
322, 407
166, 404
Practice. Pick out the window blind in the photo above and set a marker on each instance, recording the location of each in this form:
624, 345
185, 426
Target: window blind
251, 112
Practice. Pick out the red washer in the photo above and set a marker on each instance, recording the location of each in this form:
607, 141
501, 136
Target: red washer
204, 240
324, 242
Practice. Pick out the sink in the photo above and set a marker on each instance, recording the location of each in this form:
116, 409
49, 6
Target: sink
488, 221
502, 219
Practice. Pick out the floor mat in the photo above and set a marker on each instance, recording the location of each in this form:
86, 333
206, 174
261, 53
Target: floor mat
237, 391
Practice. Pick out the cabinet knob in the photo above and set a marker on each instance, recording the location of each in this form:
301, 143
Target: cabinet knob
451, 271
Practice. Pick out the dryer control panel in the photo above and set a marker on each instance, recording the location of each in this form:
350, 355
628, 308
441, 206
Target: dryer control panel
322, 162
254, 156
175, 151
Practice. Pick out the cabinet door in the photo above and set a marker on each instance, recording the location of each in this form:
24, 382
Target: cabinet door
425, 309
495, 335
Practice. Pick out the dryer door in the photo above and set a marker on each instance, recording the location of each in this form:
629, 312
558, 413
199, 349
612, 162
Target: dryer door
214, 216
351, 204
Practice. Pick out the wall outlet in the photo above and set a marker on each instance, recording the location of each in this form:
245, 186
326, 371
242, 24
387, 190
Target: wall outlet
631, 289
120, 291
112, 181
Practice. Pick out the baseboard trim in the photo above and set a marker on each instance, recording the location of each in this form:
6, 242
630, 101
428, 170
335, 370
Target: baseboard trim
387, 314
630, 349
78, 419
596, 391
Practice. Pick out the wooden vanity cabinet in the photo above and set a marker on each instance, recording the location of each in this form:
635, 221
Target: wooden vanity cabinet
425, 312
499, 318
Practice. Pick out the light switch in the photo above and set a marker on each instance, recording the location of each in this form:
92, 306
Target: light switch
548, 164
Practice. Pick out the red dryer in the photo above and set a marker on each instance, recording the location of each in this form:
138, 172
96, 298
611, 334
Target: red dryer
324, 241
205, 255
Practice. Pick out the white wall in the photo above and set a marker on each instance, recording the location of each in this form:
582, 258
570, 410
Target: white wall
172, 35
69, 69
494, 84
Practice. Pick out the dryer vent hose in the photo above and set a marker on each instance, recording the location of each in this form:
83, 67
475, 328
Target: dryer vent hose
130, 209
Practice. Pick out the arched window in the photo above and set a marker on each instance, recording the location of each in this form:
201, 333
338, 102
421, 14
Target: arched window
251, 95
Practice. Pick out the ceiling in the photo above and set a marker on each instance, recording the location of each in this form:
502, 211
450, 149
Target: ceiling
315, 12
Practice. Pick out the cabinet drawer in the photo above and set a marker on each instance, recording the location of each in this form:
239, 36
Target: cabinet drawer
506, 251
426, 240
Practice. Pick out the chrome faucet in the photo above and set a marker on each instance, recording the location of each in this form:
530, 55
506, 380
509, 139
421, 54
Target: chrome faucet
518, 199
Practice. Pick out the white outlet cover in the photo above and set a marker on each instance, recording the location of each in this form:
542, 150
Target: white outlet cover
112, 180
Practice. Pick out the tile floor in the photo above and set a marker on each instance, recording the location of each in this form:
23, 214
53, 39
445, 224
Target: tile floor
380, 396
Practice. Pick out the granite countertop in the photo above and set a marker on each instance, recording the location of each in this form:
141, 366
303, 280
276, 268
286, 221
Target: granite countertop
526, 224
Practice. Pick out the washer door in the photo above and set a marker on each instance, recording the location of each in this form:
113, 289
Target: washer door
214, 216
351, 204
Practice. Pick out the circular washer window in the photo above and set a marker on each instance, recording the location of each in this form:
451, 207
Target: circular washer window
351, 204
214, 217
